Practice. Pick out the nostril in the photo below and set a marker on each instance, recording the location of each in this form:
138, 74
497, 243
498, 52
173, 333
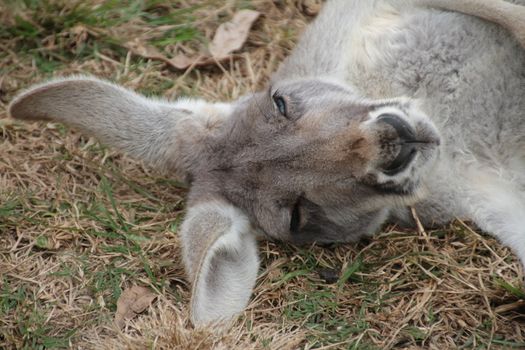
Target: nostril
403, 129
406, 143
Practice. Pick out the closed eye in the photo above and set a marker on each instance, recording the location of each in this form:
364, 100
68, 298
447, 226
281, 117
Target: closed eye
295, 220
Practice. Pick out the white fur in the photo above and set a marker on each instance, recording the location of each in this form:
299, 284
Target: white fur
363, 48
493, 201
213, 111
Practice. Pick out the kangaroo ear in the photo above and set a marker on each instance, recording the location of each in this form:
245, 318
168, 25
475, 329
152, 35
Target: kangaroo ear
221, 258
165, 135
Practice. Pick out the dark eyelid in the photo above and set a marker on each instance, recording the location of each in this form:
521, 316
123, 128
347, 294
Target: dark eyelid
295, 217
277, 94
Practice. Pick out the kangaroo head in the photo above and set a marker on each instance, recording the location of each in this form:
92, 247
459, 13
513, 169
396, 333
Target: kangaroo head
303, 160
308, 160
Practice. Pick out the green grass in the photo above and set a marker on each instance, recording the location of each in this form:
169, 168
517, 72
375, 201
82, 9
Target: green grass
517, 291
121, 237
30, 319
83, 30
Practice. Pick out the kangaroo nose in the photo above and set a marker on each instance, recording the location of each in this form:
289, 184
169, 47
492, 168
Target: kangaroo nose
406, 138
404, 131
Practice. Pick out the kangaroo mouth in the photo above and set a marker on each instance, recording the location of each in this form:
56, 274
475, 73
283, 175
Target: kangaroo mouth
402, 161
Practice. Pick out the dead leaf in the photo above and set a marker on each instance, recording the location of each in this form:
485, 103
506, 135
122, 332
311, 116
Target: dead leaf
230, 36
140, 48
132, 301
180, 61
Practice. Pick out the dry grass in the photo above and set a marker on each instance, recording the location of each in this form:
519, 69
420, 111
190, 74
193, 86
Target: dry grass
79, 222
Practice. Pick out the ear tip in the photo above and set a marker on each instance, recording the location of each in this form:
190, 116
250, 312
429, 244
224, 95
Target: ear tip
16, 108
23, 106
28, 104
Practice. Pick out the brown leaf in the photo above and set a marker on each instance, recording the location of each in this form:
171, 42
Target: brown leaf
139, 47
230, 36
132, 301
181, 61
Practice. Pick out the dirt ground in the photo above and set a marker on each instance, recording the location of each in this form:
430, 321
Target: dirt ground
79, 223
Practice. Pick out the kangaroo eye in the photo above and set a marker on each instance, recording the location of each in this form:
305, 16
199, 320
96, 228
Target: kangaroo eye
295, 220
280, 104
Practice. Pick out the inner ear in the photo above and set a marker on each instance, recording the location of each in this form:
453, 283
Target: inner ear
221, 258
226, 278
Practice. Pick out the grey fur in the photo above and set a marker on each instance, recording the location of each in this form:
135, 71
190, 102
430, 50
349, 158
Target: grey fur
320, 171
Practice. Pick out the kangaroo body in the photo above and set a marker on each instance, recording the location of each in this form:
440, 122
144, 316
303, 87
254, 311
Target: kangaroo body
382, 105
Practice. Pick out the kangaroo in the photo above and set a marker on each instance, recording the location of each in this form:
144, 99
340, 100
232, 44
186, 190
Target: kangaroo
382, 105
